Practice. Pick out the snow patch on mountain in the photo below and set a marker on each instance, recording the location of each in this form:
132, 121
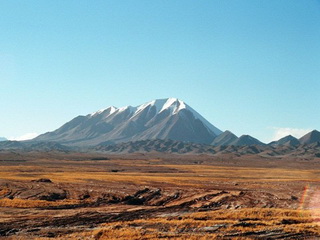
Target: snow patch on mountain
174, 105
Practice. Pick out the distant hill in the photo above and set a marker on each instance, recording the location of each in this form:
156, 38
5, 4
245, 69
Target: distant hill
3, 139
311, 137
286, 141
156, 145
173, 147
224, 139
5, 145
30, 146
178, 147
246, 140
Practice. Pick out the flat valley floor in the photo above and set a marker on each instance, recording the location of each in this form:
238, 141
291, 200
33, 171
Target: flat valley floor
58, 195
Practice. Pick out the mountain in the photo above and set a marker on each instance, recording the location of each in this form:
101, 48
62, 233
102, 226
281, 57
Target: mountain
159, 119
286, 141
224, 139
246, 140
311, 137
3, 139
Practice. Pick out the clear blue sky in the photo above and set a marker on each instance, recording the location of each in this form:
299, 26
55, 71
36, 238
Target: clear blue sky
252, 67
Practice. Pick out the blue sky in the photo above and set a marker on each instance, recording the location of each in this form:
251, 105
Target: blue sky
252, 67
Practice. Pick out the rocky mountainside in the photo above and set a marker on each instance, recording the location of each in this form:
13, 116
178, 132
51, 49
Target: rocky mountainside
311, 137
159, 119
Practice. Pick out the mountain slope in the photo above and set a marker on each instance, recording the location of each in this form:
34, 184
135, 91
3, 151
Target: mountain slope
311, 137
3, 139
159, 119
224, 139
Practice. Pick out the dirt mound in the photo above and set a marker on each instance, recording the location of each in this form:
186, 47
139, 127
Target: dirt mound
46, 180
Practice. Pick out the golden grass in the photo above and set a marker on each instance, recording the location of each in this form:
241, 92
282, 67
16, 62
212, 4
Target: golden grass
189, 175
245, 173
23, 203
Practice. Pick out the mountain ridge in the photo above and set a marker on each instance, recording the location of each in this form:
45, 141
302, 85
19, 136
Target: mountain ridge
178, 147
165, 119
169, 146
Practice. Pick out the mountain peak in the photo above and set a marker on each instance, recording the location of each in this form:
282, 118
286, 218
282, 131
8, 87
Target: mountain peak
109, 110
246, 140
173, 104
286, 141
315, 132
311, 137
224, 139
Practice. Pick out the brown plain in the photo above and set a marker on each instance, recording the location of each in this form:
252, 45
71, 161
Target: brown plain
152, 196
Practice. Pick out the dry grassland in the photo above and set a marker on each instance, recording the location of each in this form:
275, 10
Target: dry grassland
174, 197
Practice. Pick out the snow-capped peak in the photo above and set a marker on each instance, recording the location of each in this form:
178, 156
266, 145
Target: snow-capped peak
111, 110
173, 105
131, 109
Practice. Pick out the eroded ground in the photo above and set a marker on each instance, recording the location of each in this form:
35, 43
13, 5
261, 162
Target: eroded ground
138, 196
